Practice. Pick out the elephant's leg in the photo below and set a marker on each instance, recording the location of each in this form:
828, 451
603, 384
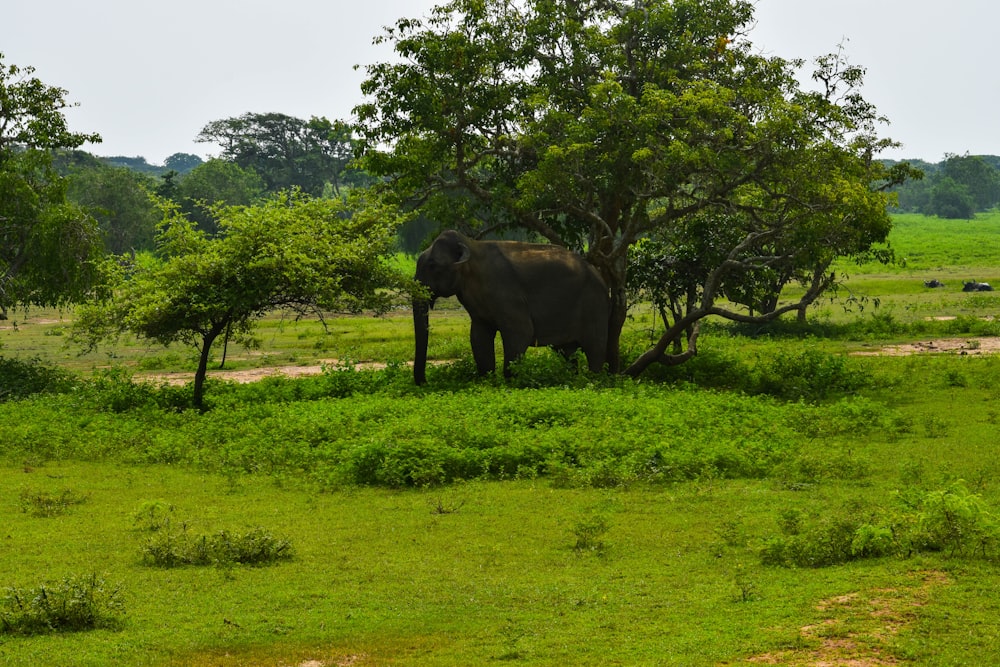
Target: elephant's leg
482, 336
595, 360
595, 353
515, 344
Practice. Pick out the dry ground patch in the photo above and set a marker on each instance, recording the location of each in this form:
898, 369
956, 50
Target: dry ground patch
858, 627
961, 346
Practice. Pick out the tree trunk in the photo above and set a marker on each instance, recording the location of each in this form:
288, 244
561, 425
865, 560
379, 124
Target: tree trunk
202, 372
613, 270
617, 315
421, 331
225, 346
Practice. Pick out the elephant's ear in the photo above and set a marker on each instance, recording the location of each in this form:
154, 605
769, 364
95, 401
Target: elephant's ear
463, 253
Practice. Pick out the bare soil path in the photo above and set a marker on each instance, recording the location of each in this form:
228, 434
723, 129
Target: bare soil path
962, 346
252, 374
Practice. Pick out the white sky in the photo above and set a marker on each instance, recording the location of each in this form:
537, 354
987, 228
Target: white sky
148, 75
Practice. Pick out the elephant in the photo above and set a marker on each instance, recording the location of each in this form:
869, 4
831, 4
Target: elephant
534, 294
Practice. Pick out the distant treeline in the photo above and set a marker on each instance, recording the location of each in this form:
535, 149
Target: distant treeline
266, 153
261, 154
181, 163
957, 187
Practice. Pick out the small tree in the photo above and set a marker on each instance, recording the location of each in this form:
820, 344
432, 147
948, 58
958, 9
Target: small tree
118, 198
216, 182
951, 199
291, 251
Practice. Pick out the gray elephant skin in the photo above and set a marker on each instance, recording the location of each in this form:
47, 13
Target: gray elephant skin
533, 294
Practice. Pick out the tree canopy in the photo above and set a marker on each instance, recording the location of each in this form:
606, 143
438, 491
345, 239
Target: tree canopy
291, 251
47, 245
597, 124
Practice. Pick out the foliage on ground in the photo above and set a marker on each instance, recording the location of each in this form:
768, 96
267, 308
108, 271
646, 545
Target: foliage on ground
374, 428
20, 378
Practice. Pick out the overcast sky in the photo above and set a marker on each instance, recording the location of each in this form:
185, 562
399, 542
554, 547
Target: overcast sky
148, 75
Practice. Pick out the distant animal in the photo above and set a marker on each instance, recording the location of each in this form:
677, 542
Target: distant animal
933, 283
974, 286
534, 294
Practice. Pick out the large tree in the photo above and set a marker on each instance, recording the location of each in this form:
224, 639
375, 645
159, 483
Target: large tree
216, 182
286, 151
980, 178
47, 245
118, 198
598, 123
288, 252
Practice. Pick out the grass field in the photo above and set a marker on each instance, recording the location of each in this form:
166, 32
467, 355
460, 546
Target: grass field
780, 499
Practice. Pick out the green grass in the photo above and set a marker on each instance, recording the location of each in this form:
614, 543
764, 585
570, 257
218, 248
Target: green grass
553, 519
384, 576
949, 246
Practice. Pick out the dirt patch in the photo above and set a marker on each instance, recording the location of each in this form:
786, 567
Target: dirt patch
346, 661
13, 325
253, 374
960, 346
857, 627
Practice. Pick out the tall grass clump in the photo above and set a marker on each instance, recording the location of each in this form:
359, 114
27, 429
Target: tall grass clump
49, 504
70, 605
170, 543
175, 547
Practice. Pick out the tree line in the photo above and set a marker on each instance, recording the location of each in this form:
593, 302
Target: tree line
262, 154
651, 136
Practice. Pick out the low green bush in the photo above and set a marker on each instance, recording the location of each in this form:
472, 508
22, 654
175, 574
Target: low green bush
953, 521
811, 375
397, 435
835, 539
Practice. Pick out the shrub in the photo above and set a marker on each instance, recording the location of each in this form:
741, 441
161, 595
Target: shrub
836, 539
956, 521
73, 604
810, 375
20, 379
589, 533
113, 390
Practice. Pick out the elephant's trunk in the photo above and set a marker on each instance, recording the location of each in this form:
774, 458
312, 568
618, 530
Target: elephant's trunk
421, 329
